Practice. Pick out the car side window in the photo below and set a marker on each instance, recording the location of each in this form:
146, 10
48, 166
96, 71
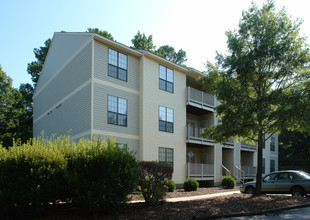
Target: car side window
283, 176
271, 177
292, 176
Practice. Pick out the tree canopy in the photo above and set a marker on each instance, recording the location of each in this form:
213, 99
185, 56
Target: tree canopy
262, 83
142, 42
169, 53
100, 32
35, 67
12, 110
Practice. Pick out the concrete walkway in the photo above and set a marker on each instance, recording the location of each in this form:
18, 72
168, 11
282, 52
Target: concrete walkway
190, 198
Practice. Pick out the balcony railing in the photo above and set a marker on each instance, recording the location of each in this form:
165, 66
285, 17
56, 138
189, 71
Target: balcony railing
194, 134
200, 98
249, 146
200, 170
249, 171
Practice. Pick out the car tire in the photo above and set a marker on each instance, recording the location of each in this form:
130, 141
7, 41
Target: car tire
298, 191
249, 190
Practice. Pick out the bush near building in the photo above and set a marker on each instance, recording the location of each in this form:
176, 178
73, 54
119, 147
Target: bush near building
191, 184
96, 175
153, 181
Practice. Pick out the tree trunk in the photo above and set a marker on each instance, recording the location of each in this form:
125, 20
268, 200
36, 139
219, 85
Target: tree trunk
258, 187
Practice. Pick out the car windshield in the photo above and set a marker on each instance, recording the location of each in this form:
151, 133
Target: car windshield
304, 175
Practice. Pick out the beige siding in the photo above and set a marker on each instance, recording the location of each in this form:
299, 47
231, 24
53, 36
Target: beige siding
152, 98
100, 110
105, 85
101, 68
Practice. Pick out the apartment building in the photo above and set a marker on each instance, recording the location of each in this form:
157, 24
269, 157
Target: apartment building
92, 85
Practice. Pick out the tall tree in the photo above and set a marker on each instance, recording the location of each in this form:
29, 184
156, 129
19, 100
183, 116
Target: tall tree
263, 82
12, 110
169, 53
35, 67
142, 42
100, 32
294, 148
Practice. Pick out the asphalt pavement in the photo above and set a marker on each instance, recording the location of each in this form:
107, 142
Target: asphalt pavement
296, 214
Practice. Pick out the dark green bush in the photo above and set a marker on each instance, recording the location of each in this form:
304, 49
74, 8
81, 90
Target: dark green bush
191, 184
171, 185
96, 175
100, 175
152, 180
30, 174
228, 182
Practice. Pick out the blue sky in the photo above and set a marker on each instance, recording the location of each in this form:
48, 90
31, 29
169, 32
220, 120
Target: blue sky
196, 26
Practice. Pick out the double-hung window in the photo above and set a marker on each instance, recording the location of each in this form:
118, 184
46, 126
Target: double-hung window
165, 78
117, 111
117, 65
272, 144
165, 155
165, 119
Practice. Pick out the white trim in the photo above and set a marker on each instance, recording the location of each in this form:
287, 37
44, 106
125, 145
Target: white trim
102, 82
92, 86
64, 99
62, 67
114, 134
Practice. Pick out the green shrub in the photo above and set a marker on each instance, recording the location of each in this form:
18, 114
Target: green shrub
32, 173
171, 185
191, 184
96, 175
100, 175
228, 182
152, 180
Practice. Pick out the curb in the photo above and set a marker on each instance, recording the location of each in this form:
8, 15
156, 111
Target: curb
262, 212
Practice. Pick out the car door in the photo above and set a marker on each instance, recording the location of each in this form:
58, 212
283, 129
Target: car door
283, 183
268, 184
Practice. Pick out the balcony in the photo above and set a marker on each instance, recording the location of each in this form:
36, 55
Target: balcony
248, 146
200, 99
200, 171
193, 135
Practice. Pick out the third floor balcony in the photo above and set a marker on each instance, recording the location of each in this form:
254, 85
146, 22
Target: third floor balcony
200, 99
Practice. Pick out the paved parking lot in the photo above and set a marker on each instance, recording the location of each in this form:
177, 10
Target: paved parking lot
296, 214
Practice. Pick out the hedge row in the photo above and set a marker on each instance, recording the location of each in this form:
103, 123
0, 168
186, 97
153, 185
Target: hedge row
96, 175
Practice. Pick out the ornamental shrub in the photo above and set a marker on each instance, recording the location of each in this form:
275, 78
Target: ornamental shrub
228, 182
152, 180
100, 175
171, 185
191, 184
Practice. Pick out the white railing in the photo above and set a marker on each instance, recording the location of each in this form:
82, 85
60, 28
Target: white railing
200, 170
194, 133
238, 174
249, 171
225, 171
200, 97
250, 146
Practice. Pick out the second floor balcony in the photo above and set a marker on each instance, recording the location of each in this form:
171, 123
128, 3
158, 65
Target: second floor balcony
248, 146
193, 135
200, 99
